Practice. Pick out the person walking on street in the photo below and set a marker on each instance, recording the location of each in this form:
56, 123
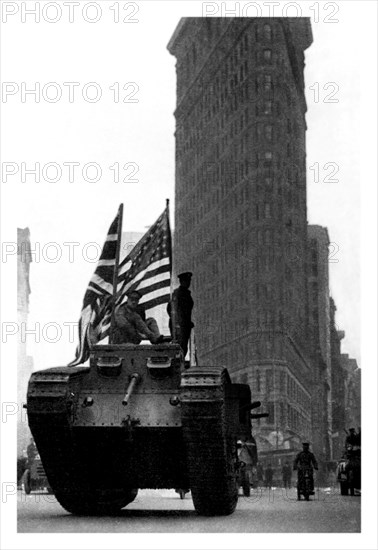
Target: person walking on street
305, 460
286, 475
269, 476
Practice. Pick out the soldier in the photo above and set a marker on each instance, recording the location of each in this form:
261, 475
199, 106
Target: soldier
305, 460
180, 311
131, 325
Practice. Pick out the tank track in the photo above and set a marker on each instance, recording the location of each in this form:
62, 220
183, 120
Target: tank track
51, 404
210, 443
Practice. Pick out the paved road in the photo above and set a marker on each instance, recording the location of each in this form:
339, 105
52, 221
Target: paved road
273, 511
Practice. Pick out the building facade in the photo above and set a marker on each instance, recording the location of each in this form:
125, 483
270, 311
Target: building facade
24, 361
319, 318
240, 218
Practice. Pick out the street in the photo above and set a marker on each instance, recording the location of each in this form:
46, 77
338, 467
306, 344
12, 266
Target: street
162, 511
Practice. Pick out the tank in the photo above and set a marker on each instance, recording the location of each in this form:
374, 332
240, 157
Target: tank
137, 418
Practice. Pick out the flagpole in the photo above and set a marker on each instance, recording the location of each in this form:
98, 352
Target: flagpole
115, 274
172, 302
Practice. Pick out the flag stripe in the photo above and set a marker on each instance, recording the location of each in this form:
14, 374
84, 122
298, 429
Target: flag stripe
156, 302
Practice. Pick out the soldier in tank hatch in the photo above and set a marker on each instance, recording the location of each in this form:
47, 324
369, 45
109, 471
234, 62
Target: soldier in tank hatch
180, 311
132, 326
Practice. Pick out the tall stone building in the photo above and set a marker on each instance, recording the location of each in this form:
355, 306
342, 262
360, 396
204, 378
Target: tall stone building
240, 216
319, 316
24, 361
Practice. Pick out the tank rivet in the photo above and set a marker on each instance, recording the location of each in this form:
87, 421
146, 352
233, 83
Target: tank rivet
174, 401
88, 402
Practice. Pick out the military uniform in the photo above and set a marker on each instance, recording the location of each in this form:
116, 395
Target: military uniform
131, 328
180, 312
305, 460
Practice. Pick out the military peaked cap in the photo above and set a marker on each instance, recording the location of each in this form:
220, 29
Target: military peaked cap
185, 275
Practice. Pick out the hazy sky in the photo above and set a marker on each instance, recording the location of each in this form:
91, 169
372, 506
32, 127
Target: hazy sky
114, 62
111, 132
101, 59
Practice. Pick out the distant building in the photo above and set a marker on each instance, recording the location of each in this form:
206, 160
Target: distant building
320, 340
240, 219
352, 391
24, 361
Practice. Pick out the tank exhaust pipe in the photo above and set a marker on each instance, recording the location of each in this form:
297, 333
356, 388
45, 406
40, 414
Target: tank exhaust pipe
134, 379
253, 405
259, 415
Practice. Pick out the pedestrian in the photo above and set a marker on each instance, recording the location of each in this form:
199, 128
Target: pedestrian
269, 476
286, 475
351, 438
305, 460
131, 326
259, 474
180, 312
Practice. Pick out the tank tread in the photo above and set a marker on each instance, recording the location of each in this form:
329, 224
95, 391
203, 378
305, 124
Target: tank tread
211, 449
51, 404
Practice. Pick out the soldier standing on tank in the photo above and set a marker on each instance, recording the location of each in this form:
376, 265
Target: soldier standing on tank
180, 311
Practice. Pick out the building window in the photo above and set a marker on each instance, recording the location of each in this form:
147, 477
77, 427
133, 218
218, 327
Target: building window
267, 211
268, 55
267, 82
268, 380
267, 108
268, 130
267, 32
268, 157
258, 381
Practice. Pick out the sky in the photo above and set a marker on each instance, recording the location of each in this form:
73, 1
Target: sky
134, 141
114, 85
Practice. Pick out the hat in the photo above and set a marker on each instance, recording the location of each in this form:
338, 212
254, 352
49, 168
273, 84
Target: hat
306, 444
352, 430
185, 275
134, 292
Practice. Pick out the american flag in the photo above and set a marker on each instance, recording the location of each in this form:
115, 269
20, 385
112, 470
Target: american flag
147, 268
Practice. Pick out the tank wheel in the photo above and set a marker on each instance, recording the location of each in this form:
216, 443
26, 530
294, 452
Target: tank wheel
26, 482
84, 503
211, 451
245, 483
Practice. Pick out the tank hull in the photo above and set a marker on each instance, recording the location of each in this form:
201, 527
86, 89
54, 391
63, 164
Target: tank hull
134, 419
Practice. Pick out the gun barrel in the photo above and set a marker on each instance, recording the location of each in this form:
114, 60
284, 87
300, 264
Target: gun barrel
259, 415
134, 379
